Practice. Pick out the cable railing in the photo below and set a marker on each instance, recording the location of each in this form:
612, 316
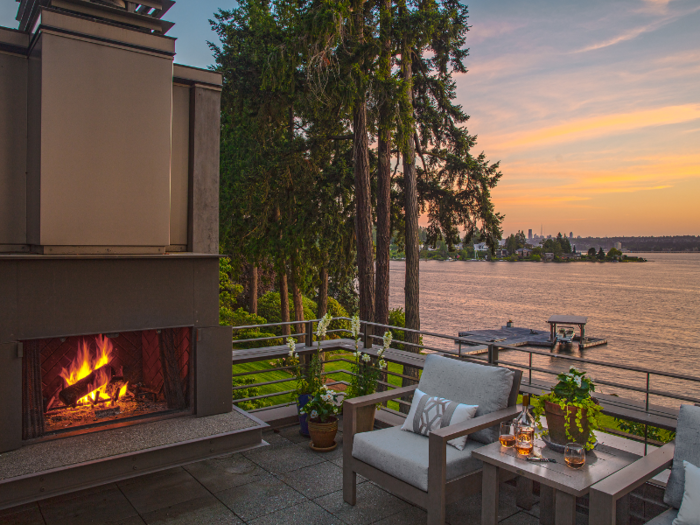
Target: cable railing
486, 352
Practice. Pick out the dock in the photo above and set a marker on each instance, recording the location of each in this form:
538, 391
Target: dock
517, 336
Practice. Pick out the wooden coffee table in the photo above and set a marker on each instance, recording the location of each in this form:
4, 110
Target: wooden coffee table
560, 485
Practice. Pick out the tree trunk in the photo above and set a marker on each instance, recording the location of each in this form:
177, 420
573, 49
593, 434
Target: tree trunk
323, 294
298, 302
253, 290
363, 203
412, 283
284, 299
381, 314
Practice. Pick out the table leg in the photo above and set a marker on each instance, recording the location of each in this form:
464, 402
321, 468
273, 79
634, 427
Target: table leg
565, 508
489, 495
622, 510
523, 495
546, 505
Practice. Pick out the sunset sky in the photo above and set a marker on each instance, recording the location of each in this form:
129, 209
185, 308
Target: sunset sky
592, 107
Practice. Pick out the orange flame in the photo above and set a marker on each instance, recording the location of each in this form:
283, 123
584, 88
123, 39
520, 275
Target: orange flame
84, 364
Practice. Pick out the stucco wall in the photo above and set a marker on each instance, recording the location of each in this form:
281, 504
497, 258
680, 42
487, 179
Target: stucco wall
105, 145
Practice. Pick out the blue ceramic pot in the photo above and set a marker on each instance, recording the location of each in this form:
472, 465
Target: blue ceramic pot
303, 423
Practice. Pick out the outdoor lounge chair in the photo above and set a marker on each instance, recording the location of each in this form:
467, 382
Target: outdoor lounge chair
425, 470
605, 494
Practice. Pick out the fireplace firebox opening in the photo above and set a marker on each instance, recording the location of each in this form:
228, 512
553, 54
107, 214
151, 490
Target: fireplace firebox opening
75, 384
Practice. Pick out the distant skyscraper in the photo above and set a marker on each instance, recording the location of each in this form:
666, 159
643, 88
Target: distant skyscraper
571, 235
529, 234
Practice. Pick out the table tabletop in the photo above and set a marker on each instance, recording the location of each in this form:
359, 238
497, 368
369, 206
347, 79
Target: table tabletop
600, 463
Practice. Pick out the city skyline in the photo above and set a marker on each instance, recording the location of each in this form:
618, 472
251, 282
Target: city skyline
592, 108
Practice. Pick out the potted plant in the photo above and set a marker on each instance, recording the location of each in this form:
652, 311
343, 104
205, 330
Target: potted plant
322, 410
571, 411
365, 373
309, 378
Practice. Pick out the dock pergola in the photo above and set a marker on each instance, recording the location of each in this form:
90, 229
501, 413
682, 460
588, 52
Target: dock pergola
578, 320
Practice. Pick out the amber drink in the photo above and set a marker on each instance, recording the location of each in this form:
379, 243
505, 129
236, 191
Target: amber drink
507, 435
507, 440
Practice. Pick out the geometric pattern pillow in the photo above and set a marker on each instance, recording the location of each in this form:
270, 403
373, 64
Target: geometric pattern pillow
430, 413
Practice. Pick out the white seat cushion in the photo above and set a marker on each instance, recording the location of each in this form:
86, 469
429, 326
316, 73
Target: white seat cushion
689, 513
404, 455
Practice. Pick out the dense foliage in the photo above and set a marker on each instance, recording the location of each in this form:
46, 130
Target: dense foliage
308, 86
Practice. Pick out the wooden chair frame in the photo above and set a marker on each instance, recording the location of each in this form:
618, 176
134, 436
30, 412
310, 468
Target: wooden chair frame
605, 494
440, 491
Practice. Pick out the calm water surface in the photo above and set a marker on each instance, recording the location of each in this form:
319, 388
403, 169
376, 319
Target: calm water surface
648, 312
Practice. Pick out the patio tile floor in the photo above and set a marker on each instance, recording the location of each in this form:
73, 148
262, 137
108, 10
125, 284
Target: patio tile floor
285, 483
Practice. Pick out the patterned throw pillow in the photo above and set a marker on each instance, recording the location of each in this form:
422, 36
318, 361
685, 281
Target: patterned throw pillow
431, 413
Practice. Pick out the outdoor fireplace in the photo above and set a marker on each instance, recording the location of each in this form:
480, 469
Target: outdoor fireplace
82, 383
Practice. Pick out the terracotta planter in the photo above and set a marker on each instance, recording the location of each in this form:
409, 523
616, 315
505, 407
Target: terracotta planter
364, 418
323, 434
556, 418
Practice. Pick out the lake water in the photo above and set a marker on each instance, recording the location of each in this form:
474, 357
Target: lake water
649, 312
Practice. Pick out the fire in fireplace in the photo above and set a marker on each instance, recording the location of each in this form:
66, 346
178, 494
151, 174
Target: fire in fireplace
78, 383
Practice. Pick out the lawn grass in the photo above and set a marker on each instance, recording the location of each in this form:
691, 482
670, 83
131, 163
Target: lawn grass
262, 376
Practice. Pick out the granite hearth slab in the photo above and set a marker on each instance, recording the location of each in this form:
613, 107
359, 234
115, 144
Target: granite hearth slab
50, 468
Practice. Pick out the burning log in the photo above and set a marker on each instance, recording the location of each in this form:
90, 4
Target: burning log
107, 412
73, 393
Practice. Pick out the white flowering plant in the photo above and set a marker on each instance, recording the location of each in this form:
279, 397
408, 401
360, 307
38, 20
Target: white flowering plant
574, 389
367, 370
325, 405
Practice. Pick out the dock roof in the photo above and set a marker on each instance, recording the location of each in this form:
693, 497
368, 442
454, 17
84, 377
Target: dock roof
568, 319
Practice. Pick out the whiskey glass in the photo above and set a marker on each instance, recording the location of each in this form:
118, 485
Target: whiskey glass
574, 456
524, 441
507, 435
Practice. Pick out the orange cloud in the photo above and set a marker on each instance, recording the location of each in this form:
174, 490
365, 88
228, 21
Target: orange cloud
603, 125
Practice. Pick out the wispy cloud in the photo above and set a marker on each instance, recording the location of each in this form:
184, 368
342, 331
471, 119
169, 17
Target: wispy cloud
586, 128
633, 33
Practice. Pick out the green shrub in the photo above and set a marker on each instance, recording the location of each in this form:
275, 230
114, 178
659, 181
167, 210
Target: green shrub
653, 433
246, 392
269, 307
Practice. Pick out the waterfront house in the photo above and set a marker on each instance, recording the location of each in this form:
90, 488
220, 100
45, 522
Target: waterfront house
548, 257
523, 253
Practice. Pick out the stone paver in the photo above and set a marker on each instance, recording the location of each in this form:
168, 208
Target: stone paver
22, 515
207, 510
162, 489
259, 498
81, 507
307, 513
283, 459
315, 481
373, 504
226, 472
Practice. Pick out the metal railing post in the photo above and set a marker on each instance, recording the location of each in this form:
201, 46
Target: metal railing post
530, 371
310, 333
365, 336
493, 354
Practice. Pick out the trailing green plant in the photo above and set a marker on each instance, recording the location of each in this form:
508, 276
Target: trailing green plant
573, 390
366, 370
325, 404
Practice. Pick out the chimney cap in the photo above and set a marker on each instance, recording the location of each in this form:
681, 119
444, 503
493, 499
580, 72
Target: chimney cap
141, 15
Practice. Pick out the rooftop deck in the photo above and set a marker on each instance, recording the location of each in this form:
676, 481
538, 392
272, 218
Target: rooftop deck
283, 483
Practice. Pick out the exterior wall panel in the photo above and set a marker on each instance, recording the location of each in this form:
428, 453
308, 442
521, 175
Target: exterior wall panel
105, 145
13, 149
179, 172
